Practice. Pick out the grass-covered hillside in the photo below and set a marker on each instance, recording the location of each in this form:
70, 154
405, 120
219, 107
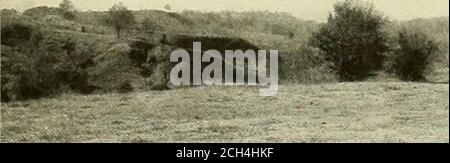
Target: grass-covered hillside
87, 47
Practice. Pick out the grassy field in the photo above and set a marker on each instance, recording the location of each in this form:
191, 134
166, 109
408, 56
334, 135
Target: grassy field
344, 112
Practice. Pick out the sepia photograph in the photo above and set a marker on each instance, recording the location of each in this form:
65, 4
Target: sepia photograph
224, 71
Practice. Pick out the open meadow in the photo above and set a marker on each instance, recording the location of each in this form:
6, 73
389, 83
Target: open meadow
339, 112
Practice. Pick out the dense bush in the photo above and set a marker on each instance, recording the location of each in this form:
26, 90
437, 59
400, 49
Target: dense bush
139, 51
25, 76
352, 40
114, 69
125, 87
68, 10
15, 33
41, 66
304, 65
12, 64
9, 12
414, 55
121, 18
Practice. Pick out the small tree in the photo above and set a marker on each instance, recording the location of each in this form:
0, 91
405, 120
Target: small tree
121, 17
413, 57
352, 40
68, 10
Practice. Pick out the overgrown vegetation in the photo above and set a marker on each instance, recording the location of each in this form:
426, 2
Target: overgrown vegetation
352, 40
304, 65
68, 10
47, 50
121, 18
35, 64
414, 55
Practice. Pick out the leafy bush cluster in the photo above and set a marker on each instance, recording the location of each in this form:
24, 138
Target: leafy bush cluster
37, 64
414, 55
355, 44
68, 10
353, 40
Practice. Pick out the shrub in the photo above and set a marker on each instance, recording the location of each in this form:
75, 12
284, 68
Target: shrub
414, 55
139, 51
113, 68
49, 67
27, 74
9, 12
12, 64
15, 33
121, 17
160, 77
352, 40
68, 10
38, 79
125, 87
304, 65
18, 40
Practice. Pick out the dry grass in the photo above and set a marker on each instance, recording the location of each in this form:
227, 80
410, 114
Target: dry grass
345, 112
